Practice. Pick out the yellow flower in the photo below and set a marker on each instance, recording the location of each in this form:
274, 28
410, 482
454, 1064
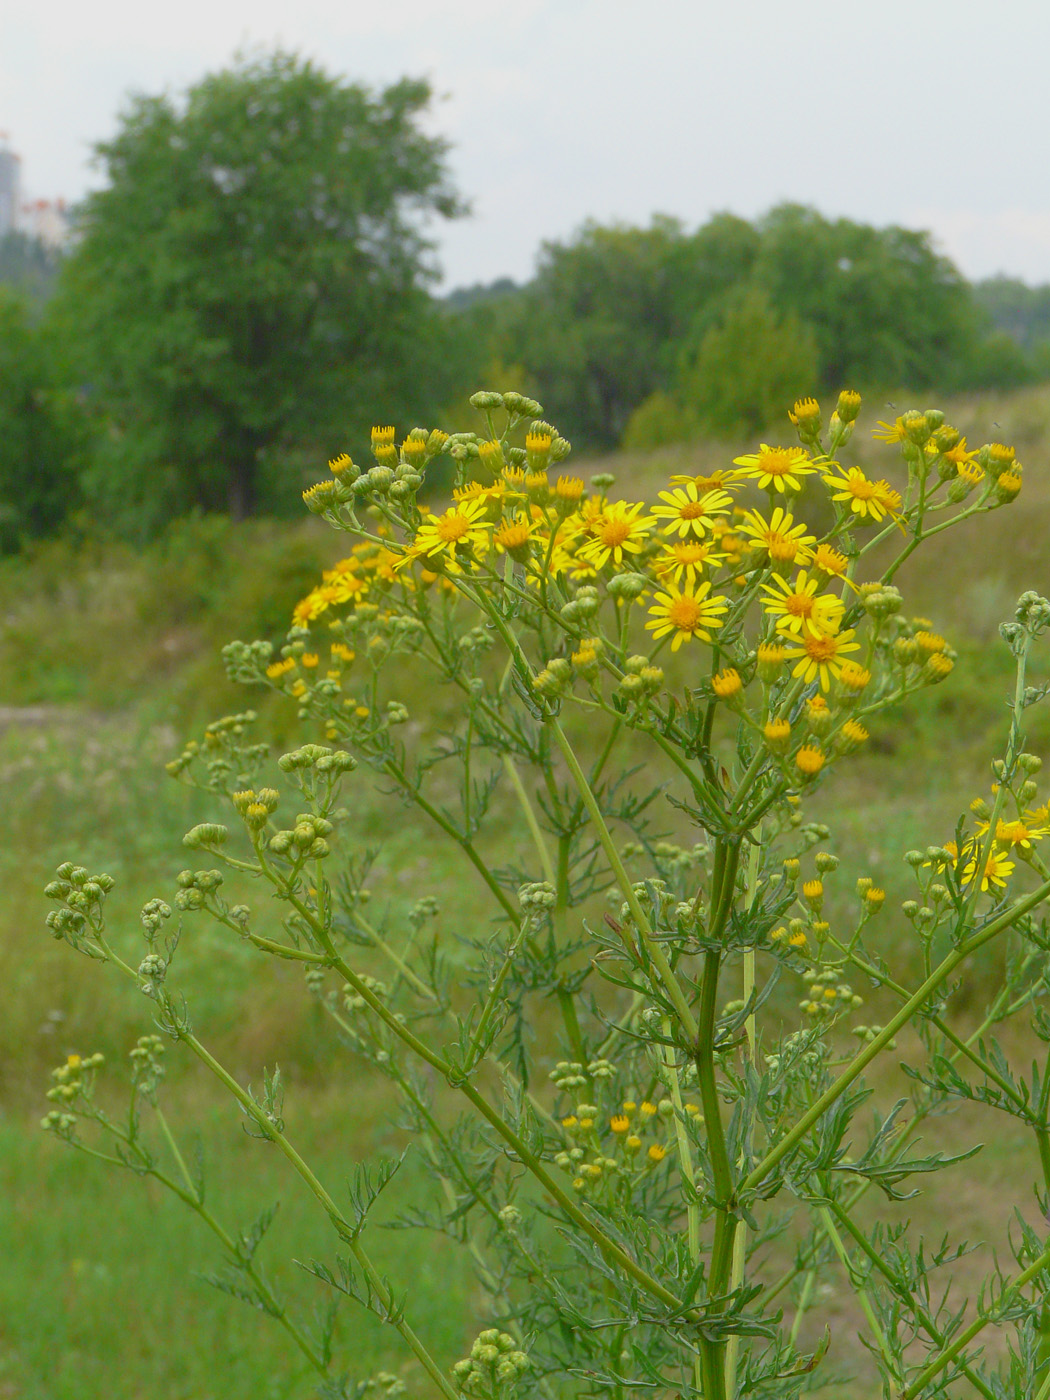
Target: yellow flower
1017, 833
277, 669
797, 607
851, 735
717, 481
685, 559
819, 656
726, 683
870, 500
853, 677
460, 527
829, 561
618, 530
779, 536
513, 536
890, 432
656, 1153
688, 512
997, 870
568, 490
777, 468
958, 454
687, 614
777, 733
809, 760
619, 1123
805, 412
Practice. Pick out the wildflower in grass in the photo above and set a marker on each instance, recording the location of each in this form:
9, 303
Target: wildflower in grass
874, 898
957, 455
656, 1153
538, 448
777, 469
568, 492
867, 500
688, 614
851, 736
798, 941
620, 529
797, 607
805, 415
690, 512
277, 669
686, 560
1000, 457
619, 1123
779, 535
820, 656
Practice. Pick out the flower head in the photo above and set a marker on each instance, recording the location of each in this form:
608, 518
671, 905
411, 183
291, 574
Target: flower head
687, 614
820, 655
797, 607
688, 511
617, 530
777, 469
868, 500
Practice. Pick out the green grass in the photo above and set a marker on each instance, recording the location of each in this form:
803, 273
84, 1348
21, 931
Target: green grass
110, 657
101, 1291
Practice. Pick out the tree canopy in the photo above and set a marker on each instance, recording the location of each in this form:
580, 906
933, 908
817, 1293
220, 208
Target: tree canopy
617, 316
254, 275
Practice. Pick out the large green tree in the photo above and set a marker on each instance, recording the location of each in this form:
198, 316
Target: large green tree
886, 309
600, 326
253, 277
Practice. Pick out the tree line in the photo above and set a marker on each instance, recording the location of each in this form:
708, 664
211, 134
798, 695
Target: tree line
253, 285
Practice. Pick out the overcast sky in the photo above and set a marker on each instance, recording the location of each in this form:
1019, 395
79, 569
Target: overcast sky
928, 113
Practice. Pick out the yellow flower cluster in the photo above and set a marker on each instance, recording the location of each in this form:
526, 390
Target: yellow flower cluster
801, 647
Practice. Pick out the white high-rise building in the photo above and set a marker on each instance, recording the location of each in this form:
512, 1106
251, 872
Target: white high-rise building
10, 188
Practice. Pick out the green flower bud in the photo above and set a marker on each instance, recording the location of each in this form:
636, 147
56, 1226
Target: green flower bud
207, 834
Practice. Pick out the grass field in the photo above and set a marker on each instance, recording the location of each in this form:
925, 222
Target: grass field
110, 657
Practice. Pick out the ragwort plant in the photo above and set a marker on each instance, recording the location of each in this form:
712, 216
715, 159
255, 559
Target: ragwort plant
619, 1116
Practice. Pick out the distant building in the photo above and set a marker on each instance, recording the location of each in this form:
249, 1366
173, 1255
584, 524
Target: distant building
10, 188
46, 220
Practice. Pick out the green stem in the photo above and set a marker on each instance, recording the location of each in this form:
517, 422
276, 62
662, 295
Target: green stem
343, 1227
947, 1356
925, 1320
546, 863
671, 984
861, 1293
191, 1197
940, 974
